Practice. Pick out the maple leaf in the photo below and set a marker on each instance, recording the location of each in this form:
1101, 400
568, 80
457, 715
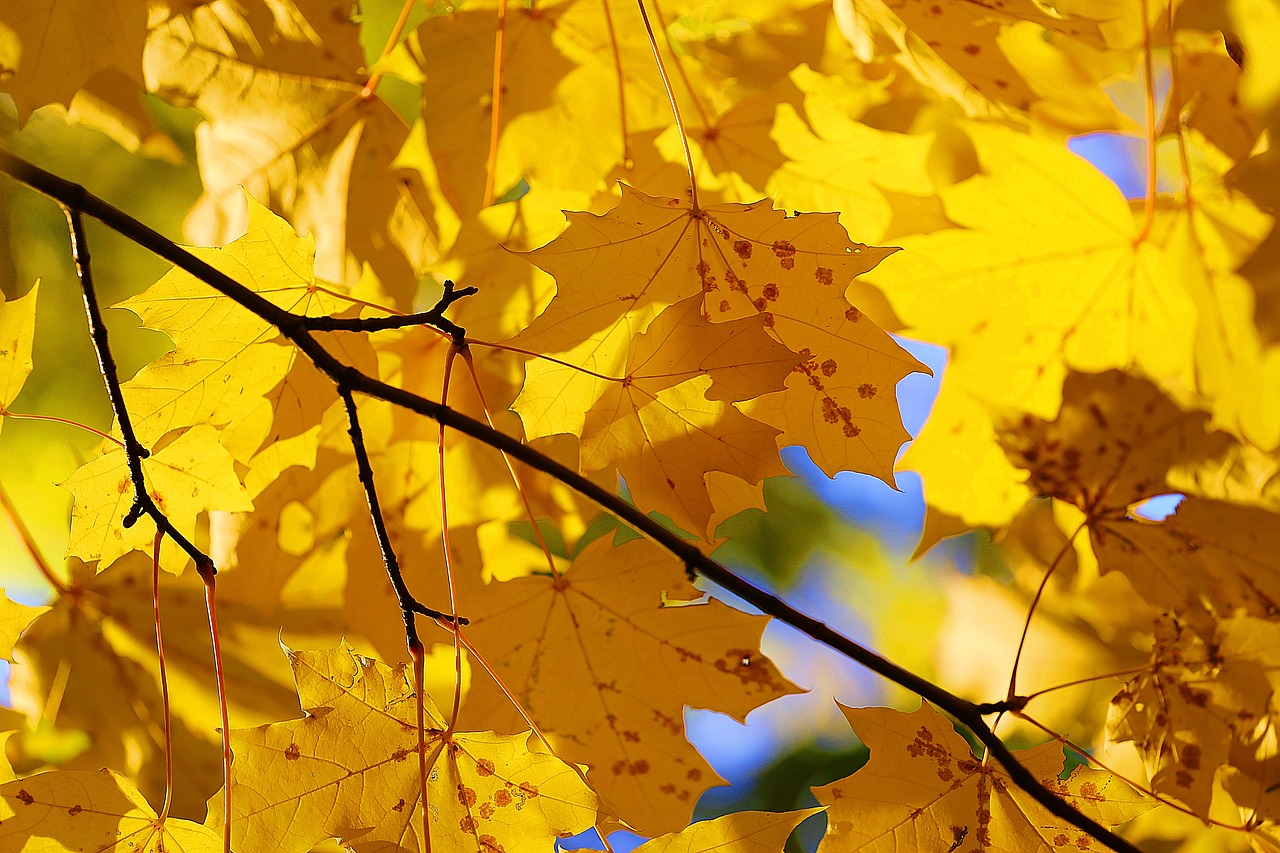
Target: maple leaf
1135, 438
660, 412
739, 832
616, 273
59, 55
103, 811
94, 651
630, 666
1091, 296
306, 780
17, 331
189, 475
923, 789
996, 58
1204, 562
1203, 706
289, 122
833, 162
229, 368
1118, 441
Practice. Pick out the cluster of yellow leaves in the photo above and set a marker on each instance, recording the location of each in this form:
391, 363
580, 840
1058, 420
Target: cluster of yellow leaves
673, 335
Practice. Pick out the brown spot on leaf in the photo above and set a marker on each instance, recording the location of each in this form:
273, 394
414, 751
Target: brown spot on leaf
1191, 757
853, 315
466, 796
292, 752
829, 367
399, 807
530, 789
742, 249
484, 767
972, 49
26, 797
490, 844
467, 824
866, 391
74, 810
487, 811
501, 798
823, 275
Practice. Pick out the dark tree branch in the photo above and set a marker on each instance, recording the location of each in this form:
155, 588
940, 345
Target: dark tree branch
134, 452
349, 380
408, 604
435, 317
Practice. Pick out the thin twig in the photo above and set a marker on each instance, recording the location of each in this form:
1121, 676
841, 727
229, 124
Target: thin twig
364, 470
435, 317
143, 504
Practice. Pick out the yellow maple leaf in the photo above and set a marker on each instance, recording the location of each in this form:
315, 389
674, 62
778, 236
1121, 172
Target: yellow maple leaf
302, 781
1065, 275
616, 273
60, 53
1118, 441
94, 652
288, 122
740, 832
17, 332
602, 666
102, 811
228, 368
1204, 562
658, 406
1114, 443
836, 163
923, 789
1202, 706
189, 475
1006, 58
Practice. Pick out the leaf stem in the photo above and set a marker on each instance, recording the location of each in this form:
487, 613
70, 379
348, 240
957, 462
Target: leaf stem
29, 543
627, 162
675, 60
1149, 105
371, 87
1012, 692
511, 468
22, 416
220, 674
675, 107
416, 652
447, 546
495, 103
164, 678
